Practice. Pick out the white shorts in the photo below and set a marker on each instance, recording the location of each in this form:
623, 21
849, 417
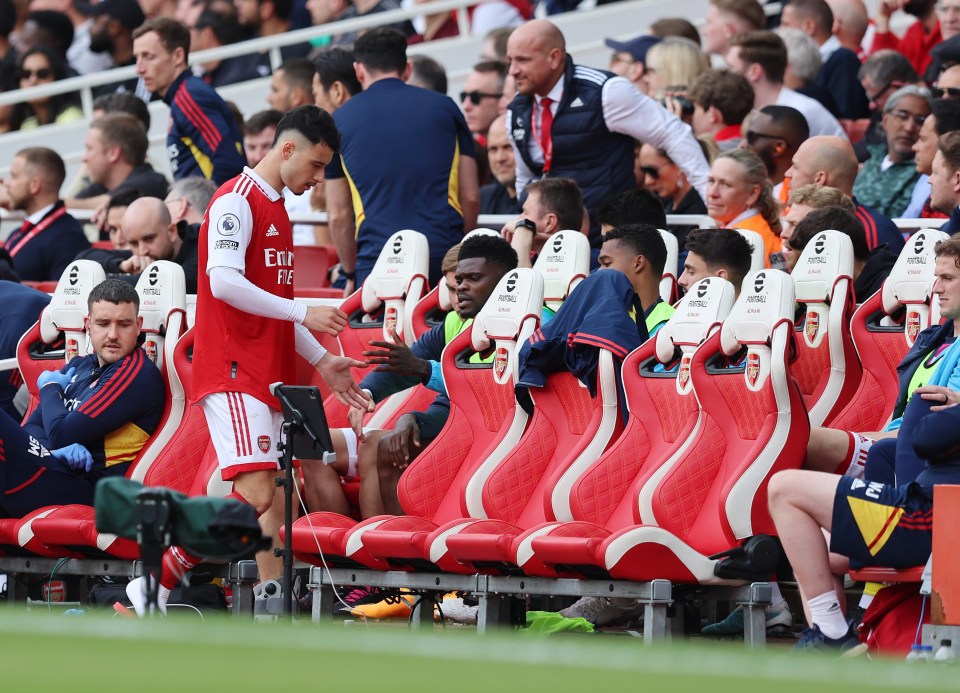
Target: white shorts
244, 432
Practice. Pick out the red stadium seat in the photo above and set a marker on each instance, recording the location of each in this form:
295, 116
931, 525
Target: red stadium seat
884, 328
827, 368
663, 417
563, 263
484, 424
312, 263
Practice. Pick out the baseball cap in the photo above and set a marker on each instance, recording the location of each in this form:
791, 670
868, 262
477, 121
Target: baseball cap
127, 12
637, 47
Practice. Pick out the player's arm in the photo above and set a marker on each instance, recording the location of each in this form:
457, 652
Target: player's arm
341, 222
523, 173
627, 111
210, 133
468, 186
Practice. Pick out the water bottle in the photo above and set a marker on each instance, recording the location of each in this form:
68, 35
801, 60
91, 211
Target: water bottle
920, 653
945, 652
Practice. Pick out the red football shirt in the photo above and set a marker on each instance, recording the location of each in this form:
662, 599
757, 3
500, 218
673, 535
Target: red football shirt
246, 228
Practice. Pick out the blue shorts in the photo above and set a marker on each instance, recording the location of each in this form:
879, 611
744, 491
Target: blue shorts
883, 525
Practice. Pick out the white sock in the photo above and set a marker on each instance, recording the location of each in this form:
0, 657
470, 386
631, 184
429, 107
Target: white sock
825, 612
858, 455
135, 595
777, 602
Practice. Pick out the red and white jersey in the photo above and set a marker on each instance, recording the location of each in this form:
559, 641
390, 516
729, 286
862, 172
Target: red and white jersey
246, 228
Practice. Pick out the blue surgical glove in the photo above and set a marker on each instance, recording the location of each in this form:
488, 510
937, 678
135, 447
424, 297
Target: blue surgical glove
61, 379
76, 456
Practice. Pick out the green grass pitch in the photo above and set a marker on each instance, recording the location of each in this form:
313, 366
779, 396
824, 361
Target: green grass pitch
94, 652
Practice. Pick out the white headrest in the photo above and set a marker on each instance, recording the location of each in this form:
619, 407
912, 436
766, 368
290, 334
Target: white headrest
443, 297
400, 271
518, 296
766, 299
162, 289
564, 262
827, 257
68, 306
669, 282
910, 282
756, 242
698, 315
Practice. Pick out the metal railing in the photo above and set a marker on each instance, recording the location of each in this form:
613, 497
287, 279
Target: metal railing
270, 44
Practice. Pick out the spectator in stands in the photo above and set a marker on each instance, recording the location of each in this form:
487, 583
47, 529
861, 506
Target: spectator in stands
481, 94
675, 26
115, 158
803, 66
364, 8
945, 181
761, 57
850, 22
94, 416
495, 44
919, 37
270, 18
153, 236
214, 29
674, 64
203, 138
21, 309
597, 153
838, 77
774, 134
392, 124
739, 195
947, 85
80, 55
721, 100
629, 59
804, 200
720, 253
49, 29
831, 161
500, 195
870, 267
158, 8
427, 73
881, 74
291, 85
552, 204
258, 134
638, 251
40, 65
116, 208
726, 18
804, 503
335, 79
944, 117
49, 237
887, 178
188, 199
665, 180
112, 35
631, 207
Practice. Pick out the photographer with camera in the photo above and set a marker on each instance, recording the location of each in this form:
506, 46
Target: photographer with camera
552, 204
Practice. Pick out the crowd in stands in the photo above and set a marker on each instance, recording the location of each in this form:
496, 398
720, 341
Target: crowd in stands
829, 120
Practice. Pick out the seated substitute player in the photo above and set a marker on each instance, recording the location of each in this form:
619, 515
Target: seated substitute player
639, 252
94, 416
248, 326
482, 262
870, 523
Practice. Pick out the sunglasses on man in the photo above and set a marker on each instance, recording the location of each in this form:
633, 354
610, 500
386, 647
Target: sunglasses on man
477, 96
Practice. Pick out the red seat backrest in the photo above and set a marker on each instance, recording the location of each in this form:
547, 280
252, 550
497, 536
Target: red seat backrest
753, 423
827, 368
312, 262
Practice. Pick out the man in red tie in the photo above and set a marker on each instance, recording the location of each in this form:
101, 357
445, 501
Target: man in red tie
577, 122
49, 238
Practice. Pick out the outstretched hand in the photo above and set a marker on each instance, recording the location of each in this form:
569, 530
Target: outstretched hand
336, 374
395, 357
325, 319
